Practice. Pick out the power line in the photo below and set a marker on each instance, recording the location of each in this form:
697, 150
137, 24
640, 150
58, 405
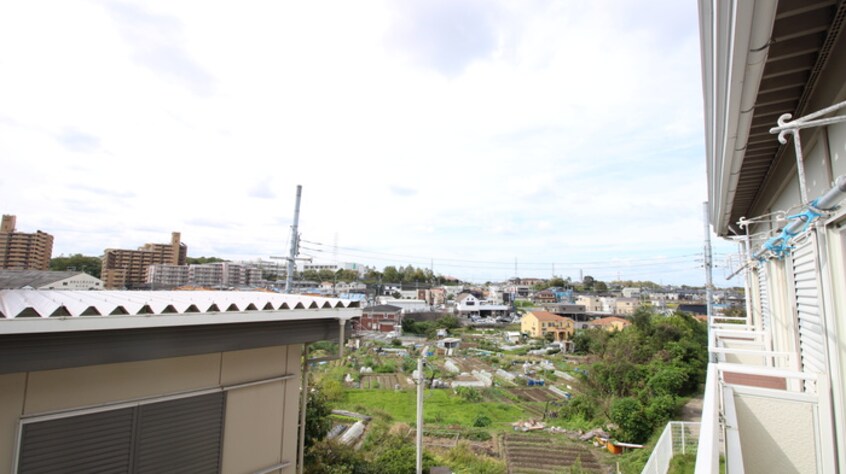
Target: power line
502, 266
482, 263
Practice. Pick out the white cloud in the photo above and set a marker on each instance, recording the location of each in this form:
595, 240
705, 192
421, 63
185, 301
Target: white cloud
547, 131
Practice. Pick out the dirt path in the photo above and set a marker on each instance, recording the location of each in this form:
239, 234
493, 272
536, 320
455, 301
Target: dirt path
692, 410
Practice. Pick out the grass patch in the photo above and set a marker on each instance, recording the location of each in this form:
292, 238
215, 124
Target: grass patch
682, 464
439, 407
342, 418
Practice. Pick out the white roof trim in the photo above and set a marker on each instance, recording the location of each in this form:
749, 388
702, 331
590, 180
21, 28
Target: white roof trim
136, 309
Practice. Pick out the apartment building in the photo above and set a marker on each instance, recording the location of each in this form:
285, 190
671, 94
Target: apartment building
209, 275
128, 268
163, 275
22, 250
774, 77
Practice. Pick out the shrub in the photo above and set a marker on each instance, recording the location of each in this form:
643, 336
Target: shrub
477, 435
469, 394
481, 421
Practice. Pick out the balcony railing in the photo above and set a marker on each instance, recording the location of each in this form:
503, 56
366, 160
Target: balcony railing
679, 437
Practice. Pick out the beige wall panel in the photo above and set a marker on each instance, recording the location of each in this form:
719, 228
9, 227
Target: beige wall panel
12, 389
774, 435
292, 408
253, 421
837, 141
789, 196
51, 390
253, 364
816, 169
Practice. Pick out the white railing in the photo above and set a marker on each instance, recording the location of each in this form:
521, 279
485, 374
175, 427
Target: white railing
679, 437
708, 452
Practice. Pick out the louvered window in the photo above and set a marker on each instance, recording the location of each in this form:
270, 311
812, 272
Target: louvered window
807, 304
764, 298
183, 435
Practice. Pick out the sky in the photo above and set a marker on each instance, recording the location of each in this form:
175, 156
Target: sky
482, 139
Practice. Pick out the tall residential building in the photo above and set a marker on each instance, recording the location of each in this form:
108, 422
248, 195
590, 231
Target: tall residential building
21, 250
128, 268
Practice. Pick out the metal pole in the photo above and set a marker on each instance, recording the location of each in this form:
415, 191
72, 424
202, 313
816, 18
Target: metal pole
295, 242
708, 277
800, 166
420, 381
343, 323
303, 407
748, 285
709, 286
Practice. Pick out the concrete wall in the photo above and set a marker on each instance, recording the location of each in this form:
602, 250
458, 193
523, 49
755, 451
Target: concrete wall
260, 420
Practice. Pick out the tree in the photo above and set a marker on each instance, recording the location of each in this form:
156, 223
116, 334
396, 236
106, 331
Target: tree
630, 417
391, 275
600, 287
318, 422
667, 380
327, 457
448, 322
77, 262
346, 275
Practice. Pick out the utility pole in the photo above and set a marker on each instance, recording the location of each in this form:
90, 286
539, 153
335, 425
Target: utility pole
420, 381
708, 264
295, 242
709, 286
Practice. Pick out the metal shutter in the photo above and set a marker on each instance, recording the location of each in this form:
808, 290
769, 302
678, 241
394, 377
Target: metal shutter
807, 306
95, 443
182, 435
764, 298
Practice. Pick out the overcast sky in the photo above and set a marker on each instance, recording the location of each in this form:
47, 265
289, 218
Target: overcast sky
463, 134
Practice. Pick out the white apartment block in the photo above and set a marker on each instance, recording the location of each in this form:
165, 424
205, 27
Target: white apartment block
167, 275
210, 275
774, 77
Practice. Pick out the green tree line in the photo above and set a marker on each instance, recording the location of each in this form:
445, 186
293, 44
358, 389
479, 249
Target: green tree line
641, 372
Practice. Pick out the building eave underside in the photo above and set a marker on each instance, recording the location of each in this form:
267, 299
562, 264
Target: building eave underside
801, 42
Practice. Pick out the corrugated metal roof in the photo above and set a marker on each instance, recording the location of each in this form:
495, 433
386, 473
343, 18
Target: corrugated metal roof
47, 304
14, 279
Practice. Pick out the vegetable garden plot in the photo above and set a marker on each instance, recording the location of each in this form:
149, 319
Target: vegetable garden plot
537, 454
534, 394
384, 381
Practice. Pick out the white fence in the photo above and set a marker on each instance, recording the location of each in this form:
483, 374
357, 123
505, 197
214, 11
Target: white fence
679, 437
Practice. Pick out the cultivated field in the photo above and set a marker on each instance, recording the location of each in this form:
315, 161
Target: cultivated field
385, 381
532, 454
